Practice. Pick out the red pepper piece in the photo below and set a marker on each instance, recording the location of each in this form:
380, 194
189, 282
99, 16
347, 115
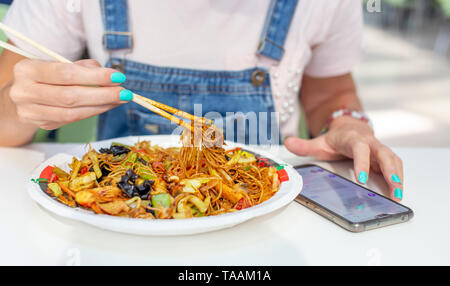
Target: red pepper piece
242, 204
84, 170
283, 175
47, 173
263, 162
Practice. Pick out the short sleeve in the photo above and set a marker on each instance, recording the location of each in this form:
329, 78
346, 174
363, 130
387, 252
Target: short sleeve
342, 47
54, 24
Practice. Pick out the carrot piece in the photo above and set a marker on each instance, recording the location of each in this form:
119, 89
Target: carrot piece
96, 209
65, 189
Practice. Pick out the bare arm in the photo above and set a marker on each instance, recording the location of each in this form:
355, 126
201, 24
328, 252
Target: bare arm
347, 136
320, 97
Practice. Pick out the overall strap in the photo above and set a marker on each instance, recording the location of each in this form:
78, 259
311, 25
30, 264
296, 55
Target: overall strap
276, 27
117, 35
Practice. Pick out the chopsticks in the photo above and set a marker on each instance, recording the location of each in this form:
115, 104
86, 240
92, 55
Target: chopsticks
154, 106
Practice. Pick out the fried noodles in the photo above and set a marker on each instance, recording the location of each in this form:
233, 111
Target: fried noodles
200, 178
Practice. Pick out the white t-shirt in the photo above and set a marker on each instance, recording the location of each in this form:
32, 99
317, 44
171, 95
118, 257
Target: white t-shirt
324, 40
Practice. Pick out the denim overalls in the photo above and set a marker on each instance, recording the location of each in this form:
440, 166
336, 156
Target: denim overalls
239, 102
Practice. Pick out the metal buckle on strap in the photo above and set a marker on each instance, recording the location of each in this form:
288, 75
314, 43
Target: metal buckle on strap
129, 34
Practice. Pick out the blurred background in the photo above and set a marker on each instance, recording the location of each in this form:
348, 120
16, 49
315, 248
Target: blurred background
403, 81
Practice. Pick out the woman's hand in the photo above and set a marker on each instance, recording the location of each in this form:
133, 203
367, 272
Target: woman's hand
49, 95
352, 138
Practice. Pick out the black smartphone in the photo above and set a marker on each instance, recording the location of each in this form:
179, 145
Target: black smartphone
346, 203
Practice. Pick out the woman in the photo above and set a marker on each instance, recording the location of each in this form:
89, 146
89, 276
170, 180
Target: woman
240, 62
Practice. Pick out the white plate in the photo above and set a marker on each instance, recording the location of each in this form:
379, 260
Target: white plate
287, 193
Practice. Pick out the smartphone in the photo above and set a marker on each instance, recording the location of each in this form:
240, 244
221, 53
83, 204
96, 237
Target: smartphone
346, 203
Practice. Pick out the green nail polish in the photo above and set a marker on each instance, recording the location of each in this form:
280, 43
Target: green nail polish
396, 179
398, 193
126, 95
118, 77
362, 177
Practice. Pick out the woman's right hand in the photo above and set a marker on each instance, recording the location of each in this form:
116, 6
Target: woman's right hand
49, 95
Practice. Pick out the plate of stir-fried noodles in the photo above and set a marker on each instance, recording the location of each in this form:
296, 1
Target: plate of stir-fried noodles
161, 185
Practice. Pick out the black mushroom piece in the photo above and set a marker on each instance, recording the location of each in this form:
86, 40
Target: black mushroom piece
115, 150
128, 186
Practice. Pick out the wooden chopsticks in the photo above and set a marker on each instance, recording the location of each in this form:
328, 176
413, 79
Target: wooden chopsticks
154, 106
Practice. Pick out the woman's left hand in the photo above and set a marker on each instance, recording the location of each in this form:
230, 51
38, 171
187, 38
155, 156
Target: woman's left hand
353, 138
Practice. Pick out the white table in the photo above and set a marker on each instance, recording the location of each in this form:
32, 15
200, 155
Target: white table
292, 236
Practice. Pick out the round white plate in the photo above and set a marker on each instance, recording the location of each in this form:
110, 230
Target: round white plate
287, 193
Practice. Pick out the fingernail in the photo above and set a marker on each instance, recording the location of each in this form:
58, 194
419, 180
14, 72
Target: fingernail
118, 77
126, 95
398, 193
362, 177
396, 179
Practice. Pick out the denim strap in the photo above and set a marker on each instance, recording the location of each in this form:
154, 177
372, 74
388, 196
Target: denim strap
116, 25
276, 27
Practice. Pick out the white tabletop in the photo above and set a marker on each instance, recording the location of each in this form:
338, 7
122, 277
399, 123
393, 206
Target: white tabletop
293, 235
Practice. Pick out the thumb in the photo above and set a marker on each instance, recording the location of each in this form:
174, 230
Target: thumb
316, 147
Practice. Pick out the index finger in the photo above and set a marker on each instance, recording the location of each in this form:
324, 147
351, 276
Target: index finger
392, 170
67, 74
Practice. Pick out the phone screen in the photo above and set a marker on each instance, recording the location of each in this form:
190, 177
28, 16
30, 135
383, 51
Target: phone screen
345, 198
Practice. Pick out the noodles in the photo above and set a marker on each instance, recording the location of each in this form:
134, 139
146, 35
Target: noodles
200, 178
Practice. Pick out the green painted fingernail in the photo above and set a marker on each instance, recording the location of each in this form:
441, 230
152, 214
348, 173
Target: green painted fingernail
118, 77
126, 95
362, 177
398, 193
396, 179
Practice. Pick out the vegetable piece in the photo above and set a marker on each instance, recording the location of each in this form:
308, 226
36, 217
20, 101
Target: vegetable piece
65, 187
161, 200
60, 173
55, 188
85, 198
192, 185
84, 170
46, 173
283, 175
130, 186
75, 168
95, 165
202, 206
120, 144
246, 160
96, 209
130, 160
53, 178
82, 181
116, 149
230, 194
242, 204
183, 211
114, 208
147, 176
196, 212
119, 158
